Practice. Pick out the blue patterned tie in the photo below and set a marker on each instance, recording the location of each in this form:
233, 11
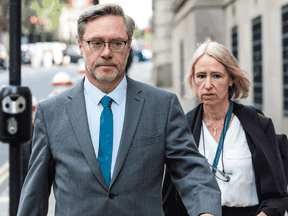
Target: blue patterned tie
106, 139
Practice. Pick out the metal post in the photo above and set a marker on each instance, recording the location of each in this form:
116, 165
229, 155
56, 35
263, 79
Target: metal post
15, 42
15, 79
15, 181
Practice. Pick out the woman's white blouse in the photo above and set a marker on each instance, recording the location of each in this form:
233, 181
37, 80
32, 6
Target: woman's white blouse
240, 191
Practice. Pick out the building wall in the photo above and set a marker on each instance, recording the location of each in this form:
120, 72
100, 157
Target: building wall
241, 14
68, 19
161, 44
183, 44
192, 25
196, 20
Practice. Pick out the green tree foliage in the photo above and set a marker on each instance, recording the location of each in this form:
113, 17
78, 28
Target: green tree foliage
141, 34
4, 15
49, 11
138, 34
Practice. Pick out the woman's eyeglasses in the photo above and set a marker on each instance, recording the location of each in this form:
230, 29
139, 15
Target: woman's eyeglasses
221, 175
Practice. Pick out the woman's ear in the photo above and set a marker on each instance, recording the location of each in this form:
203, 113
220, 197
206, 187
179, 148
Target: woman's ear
231, 82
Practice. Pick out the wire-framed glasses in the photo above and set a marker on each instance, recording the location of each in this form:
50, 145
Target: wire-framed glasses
115, 46
221, 175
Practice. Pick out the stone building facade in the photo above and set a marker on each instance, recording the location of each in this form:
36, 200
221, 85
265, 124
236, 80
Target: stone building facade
69, 16
256, 31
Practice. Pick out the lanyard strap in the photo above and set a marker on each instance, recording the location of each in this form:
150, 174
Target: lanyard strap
223, 134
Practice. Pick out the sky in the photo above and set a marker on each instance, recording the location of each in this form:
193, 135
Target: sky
139, 10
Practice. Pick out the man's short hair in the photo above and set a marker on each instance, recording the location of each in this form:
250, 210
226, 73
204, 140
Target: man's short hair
101, 10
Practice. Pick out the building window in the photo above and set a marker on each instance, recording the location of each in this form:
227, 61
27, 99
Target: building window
235, 42
285, 58
257, 62
182, 68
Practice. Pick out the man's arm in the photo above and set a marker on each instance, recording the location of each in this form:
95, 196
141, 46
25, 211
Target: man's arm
37, 186
189, 170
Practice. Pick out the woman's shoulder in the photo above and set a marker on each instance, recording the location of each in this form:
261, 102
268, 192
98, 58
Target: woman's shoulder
257, 114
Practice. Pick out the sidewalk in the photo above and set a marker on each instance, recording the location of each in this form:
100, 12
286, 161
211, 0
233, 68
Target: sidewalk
4, 202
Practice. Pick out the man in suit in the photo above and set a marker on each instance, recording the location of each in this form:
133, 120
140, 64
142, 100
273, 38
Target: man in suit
103, 144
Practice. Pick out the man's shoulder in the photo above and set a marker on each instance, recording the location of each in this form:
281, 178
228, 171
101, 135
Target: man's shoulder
61, 97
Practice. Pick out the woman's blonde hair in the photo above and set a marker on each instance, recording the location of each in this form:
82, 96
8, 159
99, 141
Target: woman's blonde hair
241, 83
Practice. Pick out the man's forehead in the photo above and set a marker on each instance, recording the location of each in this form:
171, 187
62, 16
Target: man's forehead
108, 26
106, 20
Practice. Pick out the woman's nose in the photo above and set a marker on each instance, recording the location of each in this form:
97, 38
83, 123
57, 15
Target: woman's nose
208, 83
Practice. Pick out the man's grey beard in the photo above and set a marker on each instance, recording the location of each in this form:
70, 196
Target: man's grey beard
104, 80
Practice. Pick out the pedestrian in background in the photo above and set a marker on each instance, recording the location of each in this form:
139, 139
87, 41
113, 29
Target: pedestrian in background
103, 144
244, 158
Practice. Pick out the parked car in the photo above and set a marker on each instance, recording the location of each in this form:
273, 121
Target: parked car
74, 53
3, 56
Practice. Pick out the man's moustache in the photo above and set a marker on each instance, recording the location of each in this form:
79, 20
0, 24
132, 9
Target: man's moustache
105, 64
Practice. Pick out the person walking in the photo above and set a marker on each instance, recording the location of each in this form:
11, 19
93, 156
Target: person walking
242, 151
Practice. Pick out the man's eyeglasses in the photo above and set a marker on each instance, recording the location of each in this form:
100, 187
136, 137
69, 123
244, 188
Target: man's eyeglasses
221, 175
115, 46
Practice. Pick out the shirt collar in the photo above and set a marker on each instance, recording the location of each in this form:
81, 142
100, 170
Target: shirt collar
95, 94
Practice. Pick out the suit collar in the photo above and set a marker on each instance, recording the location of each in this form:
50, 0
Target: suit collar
95, 94
195, 120
133, 110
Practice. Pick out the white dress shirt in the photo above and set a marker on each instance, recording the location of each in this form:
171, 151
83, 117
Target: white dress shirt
94, 108
240, 191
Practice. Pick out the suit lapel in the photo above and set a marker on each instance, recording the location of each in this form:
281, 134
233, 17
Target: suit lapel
257, 140
250, 125
194, 118
133, 109
263, 157
76, 110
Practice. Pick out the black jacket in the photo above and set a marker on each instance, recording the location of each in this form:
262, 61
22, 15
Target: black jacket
269, 172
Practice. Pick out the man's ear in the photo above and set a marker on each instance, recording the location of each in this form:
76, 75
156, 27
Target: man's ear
80, 47
129, 43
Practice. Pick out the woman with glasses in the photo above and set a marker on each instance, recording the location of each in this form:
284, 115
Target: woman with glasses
243, 157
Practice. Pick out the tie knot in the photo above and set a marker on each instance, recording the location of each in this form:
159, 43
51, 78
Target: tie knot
106, 101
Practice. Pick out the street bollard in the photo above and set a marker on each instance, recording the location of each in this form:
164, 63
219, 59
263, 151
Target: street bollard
61, 81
